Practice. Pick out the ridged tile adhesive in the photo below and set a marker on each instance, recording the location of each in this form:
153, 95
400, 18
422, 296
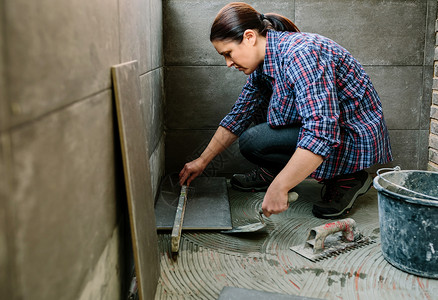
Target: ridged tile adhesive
209, 261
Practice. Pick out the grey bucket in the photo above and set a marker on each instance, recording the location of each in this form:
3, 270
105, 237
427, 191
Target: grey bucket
408, 215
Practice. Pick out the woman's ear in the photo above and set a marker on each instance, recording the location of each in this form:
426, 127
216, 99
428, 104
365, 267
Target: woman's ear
250, 37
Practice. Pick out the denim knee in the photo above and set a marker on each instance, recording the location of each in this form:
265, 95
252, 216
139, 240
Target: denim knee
245, 144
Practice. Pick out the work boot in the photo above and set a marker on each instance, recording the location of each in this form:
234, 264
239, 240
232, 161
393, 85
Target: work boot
258, 180
339, 194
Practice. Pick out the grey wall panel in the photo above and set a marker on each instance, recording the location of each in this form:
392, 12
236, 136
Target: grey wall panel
392, 39
186, 145
377, 32
156, 38
4, 107
58, 52
429, 45
156, 164
400, 89
135, 33
65, 198
153, 106
426, 99
199, 97
405, 148
187, 28
7, 252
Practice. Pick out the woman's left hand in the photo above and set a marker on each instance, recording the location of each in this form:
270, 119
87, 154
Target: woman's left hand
275, 201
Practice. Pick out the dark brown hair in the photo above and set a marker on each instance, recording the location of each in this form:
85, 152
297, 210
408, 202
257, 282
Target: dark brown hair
236, 17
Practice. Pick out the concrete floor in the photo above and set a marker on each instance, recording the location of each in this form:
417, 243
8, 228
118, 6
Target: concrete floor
209, 261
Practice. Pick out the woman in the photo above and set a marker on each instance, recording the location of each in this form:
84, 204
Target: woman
324, 117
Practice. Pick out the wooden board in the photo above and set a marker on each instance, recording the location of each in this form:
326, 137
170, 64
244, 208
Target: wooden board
208, 206
133, 138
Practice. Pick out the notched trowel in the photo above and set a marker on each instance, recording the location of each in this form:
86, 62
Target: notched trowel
332, 239
292, 197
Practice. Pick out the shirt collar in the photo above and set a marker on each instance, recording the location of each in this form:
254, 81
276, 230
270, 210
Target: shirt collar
268, 67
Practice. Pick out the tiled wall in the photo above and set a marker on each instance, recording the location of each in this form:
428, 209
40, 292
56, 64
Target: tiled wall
392, 39
61, 188
433, 136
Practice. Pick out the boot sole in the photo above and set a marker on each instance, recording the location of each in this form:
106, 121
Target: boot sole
365, 188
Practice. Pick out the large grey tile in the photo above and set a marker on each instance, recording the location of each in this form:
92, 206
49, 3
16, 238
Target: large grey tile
207, 204
400, 89
430, 32
377, 32
187, 28
199, 97
58, 52
103, 281
133, 136
4, 107
234, 293
135, 33
426, 97
4, 255
156, 25
156, 164
7, 220
65, 198
405, 148
183, 146
152, 104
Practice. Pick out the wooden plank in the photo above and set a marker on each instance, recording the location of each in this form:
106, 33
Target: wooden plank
133, 137
179, 218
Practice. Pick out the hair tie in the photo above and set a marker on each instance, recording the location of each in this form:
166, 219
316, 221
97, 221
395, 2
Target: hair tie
262, 17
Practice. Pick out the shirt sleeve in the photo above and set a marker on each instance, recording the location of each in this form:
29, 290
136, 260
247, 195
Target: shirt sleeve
313, 82
240, 116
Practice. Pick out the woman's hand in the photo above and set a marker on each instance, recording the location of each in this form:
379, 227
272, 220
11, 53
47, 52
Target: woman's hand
275, 201
192, 170
221, 140
302, 164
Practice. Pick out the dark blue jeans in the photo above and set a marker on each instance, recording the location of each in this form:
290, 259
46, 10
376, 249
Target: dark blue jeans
268, 147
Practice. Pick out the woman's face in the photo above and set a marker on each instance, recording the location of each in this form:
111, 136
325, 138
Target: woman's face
244, 56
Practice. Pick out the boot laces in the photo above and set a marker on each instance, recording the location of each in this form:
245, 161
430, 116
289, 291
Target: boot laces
256, 174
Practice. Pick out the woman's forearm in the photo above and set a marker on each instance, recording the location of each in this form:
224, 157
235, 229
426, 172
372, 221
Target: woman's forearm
300, 166
221, 140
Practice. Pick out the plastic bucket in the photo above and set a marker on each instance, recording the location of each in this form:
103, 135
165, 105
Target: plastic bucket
408, 215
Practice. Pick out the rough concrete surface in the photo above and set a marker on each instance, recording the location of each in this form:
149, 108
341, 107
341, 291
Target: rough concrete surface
207, 262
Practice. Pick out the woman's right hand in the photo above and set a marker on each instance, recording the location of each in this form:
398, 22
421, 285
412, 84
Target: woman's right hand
191, 170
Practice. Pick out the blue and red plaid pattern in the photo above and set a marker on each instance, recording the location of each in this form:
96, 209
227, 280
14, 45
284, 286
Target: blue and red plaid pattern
313, 81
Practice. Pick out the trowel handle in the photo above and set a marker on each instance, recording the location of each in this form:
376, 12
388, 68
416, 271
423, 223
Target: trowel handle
318, 234
291, 198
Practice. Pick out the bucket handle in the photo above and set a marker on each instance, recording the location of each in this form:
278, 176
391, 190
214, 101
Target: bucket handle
397, 168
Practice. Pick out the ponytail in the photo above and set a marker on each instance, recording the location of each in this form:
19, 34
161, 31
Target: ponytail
236, 17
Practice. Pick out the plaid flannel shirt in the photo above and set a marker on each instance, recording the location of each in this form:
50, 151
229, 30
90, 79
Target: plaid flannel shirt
312, 81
